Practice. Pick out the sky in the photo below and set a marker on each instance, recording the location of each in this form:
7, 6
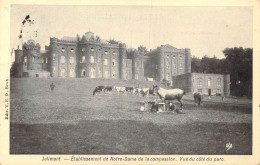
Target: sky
205, 30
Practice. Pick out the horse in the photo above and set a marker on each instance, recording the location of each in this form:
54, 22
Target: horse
169, 94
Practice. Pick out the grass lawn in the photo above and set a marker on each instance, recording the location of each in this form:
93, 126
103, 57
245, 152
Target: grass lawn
71, 120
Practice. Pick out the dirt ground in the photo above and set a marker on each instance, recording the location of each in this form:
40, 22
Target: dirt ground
71, 120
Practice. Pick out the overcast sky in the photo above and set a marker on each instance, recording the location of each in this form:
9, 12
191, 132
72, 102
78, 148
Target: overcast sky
205, 30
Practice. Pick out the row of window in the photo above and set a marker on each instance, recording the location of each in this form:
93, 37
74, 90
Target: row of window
93, 75
92, 50
173, 56
44, 59
209, 82
217, 90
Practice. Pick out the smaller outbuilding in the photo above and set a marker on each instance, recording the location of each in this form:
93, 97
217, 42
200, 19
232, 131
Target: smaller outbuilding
204, 83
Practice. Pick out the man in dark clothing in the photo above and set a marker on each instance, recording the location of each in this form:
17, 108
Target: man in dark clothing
52, 87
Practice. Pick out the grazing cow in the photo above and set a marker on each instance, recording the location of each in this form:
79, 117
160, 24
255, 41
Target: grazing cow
169, 94
120, 89
198, 98
129, 89
145, 92
108, 89
98, 89
137, 90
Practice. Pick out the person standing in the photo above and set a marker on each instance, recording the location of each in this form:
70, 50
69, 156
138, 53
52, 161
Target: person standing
52, 86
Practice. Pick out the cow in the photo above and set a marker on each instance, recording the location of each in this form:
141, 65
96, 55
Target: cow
169, 94
98, 89
108, 89
197, 98
129, 89
119, 89
145, 92
137, 90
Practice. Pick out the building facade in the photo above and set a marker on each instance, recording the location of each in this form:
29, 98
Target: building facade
166, 61
88, 56
208, 84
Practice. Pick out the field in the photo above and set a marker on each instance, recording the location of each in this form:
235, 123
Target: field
71, 120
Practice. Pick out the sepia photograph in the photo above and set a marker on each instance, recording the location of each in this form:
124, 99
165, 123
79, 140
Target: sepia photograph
126, 80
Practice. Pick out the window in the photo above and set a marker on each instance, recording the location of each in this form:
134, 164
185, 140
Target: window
53, 54
167, 65
114, 62
54, 69
83, 59
180, 56
72, 72
72, 50
42, 60
63, 49
92, 59
180, 65
174, 65
83, 49
105, 61
209, 82
106, 74
33, 59
173, 56
136, 76
123, 61
106, 52
99, 58
114, 53
114, 74
72, 60
62, 59
167, 55
63, 73
25, 59
46, 60
218, 82
92, 73
83, 73
92, 49
199, 82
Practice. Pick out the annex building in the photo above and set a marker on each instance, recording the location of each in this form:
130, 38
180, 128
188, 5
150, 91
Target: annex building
90, 56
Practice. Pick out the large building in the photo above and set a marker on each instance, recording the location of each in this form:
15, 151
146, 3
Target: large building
88, 56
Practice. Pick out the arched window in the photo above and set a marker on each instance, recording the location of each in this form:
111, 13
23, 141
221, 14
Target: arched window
92, 59
72, 72
114, 62
83, 59
209, 82
72, 60
62, 59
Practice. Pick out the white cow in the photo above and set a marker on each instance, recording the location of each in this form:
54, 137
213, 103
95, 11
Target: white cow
119, 89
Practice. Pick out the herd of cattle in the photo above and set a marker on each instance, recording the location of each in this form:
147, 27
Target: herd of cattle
118, 89
165, 95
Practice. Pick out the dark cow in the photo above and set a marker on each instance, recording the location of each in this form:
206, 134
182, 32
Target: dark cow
198, 98
129, 89
169, 94
98, 89
108, 89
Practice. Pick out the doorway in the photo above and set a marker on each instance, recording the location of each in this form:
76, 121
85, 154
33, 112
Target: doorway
209, 92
